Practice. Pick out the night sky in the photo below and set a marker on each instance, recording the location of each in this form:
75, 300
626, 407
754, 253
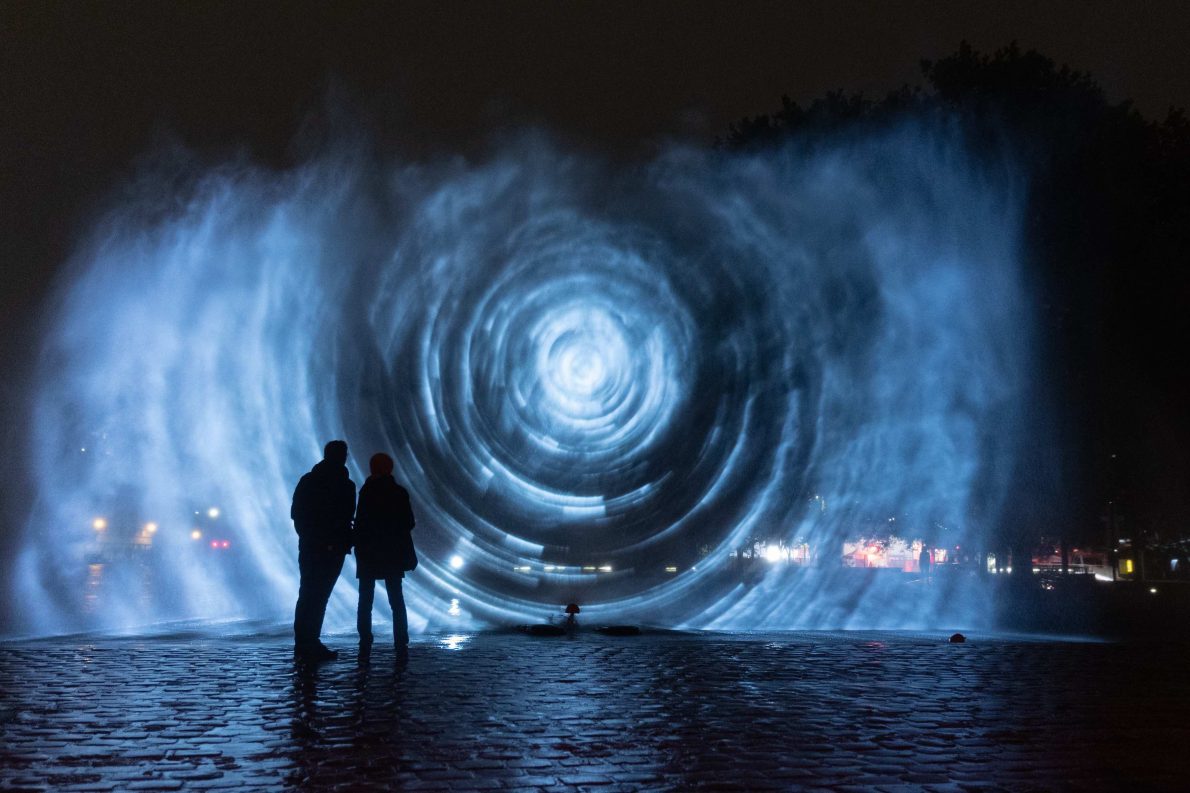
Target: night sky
87, 88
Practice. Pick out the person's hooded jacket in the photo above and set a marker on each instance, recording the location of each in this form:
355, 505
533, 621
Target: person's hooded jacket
323, 504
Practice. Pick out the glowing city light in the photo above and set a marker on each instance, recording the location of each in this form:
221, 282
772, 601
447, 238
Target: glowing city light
150, 528
99, 524
456, 562
213, 513
195, 534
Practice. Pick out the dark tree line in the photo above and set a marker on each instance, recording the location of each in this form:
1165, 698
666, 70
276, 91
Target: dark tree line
1107, 247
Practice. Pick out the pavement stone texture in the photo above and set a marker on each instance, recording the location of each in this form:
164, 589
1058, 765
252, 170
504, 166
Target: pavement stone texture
661, 711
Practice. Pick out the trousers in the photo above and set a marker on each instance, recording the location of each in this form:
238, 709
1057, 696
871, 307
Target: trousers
319, 566
396, 601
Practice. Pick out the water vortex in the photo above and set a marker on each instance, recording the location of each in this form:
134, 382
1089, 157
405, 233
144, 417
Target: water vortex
597, 383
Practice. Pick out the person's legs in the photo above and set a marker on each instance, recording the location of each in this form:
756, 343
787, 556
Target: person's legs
319, 570
396, 600
329, 570
305, 626
363, 613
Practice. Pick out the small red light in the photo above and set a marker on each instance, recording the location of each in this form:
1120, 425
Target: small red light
226, 543
214, 544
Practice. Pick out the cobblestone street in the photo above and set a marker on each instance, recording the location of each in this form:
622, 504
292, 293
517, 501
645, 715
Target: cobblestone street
660, 711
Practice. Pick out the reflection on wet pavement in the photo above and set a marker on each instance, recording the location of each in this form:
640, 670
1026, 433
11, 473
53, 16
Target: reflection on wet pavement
488, 711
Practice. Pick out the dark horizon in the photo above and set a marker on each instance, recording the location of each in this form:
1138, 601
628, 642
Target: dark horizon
89, 88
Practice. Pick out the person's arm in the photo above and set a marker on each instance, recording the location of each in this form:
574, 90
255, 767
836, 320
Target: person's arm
407, 510
355, 526
349, 510
298, 509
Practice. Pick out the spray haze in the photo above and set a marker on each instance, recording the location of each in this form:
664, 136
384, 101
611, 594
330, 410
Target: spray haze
596, 382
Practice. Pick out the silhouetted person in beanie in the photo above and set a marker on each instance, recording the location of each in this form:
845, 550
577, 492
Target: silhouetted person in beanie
323, 504
383, 550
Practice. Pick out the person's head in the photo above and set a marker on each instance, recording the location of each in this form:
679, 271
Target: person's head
335, 452
381, 464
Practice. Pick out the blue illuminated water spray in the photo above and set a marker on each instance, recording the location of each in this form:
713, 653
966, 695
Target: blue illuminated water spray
600, 385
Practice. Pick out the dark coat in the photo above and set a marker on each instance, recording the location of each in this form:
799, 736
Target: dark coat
383, 529
323, 503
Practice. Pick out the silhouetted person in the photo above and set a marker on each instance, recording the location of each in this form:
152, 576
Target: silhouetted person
923, 562
383, 550
323, 504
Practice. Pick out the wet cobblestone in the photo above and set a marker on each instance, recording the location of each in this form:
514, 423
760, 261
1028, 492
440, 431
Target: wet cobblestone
806, 711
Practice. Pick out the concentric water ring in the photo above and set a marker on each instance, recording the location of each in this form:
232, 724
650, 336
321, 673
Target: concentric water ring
595, 385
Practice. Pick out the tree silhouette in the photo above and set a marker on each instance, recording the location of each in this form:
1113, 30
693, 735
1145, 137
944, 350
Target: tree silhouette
1107, 244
